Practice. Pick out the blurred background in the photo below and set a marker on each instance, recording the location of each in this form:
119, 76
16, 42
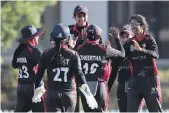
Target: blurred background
17, 14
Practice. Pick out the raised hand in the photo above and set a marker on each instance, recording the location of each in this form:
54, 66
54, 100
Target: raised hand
137, 46
114, 32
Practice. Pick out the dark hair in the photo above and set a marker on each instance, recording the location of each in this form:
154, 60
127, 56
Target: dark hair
126, 27
57, 59
142, 20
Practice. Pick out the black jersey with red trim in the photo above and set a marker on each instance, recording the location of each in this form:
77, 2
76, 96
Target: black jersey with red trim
124, 73
61, 78
80, 33
93, 57
26, 58
120, 68
143, 62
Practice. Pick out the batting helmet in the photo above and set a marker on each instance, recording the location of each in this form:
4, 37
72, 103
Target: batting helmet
60, 32
93, 32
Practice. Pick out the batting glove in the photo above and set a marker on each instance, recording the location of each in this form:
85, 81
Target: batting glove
38, 92
89, 97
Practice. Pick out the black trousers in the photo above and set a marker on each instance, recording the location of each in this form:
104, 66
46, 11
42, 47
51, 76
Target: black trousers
102, 98
143, 87
24, 100
77, 108
122, 97
60, 101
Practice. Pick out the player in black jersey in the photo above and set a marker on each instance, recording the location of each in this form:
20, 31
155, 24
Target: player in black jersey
63, 67
96, 66
26, 58
142, 51
121, 68
78, 30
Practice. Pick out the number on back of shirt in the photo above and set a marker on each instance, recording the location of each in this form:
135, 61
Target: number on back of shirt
23, 72
58, 74
91, 69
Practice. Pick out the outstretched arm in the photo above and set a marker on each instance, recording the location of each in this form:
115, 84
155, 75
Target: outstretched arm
114, 33
114, 52
41, 70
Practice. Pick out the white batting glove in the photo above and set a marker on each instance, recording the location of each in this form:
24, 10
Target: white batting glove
89, 97
38, 92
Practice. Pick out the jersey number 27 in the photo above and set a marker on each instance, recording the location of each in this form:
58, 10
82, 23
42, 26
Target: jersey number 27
58, 73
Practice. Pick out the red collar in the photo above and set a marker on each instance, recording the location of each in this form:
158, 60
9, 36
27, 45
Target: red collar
92, 42
141, 37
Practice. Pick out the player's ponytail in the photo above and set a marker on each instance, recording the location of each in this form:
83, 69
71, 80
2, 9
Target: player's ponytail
60, 35
57, 59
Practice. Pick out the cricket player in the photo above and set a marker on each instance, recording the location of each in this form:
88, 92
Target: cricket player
96, 66
25, 59
63, 67
121, 68
142, 50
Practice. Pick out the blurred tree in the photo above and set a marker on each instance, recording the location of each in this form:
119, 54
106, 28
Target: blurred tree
17, 14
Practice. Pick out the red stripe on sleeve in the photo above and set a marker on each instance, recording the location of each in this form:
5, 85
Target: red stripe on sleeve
35, 69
